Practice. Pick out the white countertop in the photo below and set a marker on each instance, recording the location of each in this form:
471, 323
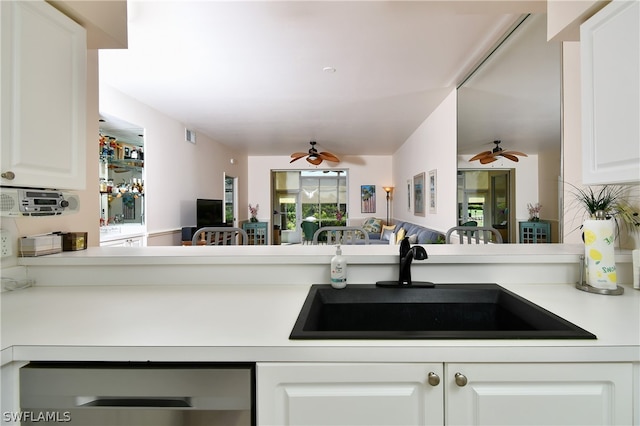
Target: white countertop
252, 323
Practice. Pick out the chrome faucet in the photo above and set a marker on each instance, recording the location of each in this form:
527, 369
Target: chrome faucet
407, 254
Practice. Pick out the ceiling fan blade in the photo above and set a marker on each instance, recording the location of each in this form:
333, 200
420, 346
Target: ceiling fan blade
329, 157
314, 160
510, 157
515, 153
479, 156
297, 155
487, 160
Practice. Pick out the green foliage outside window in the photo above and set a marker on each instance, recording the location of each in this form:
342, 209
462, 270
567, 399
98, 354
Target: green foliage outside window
290, 211
328, 215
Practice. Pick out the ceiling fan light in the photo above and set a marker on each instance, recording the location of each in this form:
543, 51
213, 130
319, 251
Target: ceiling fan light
315, 161
313, 156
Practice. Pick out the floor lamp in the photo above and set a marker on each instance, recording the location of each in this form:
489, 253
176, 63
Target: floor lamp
388, 190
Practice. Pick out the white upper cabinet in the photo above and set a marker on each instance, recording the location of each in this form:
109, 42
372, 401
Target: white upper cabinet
610, 54
43, 92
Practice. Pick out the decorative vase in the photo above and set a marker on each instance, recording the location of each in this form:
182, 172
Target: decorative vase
253, 219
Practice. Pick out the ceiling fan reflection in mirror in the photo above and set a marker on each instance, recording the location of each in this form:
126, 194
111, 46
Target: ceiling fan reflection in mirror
313, 156
486, 157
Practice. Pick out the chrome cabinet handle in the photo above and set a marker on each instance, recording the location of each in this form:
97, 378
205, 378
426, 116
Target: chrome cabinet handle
433, 379
461, 379
8, 175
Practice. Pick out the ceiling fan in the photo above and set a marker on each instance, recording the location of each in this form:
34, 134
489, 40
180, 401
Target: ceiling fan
313, 156
486, 157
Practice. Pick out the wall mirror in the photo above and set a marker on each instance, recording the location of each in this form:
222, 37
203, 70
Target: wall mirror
513, 96
121, 172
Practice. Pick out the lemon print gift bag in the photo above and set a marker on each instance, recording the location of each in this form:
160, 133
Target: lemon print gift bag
599, 253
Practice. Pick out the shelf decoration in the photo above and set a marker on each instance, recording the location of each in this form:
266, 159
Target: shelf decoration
534, 212
254, 212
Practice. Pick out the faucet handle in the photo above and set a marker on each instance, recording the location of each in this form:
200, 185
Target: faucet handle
419, 253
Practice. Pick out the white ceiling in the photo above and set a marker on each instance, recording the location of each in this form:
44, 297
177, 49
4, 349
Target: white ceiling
250, 74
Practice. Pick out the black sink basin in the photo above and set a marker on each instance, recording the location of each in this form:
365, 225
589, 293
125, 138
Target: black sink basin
446, 311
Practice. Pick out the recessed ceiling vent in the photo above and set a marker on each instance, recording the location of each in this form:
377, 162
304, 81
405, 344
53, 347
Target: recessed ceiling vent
190, 135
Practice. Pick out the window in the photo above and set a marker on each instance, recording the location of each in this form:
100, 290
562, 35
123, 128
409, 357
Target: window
324, 197
317, 195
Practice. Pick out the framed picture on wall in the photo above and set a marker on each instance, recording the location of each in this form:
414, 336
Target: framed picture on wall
433, 191
368, 198
408, 194
418, 194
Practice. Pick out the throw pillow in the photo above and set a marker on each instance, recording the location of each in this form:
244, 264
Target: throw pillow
400, 235
413, 238
387, 232
372, 225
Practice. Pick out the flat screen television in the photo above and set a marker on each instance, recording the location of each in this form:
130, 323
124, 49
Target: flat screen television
209, 213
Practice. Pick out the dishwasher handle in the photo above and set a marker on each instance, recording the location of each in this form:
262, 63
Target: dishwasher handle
135, 401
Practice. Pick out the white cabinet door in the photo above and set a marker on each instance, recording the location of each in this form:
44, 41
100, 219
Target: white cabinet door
136, 242
539, 394
348, 394
43, 92
115, 243
610, 55
125, 242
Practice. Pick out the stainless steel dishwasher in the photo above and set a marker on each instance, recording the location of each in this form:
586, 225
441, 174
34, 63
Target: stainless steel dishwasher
137, 394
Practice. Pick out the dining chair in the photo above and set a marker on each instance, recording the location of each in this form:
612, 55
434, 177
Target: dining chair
308, 229
219, 236
345, 235
474, 235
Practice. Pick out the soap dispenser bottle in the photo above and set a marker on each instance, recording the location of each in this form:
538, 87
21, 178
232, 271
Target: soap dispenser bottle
338, 269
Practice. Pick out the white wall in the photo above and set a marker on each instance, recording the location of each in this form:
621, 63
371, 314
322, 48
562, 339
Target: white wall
572, 143
432, 146
176, 172
564, 17
362, 170
550, 188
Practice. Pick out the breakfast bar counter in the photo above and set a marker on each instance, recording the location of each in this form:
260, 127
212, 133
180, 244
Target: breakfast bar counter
191, 305
241, 302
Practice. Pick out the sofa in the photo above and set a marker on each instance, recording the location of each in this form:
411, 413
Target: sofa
381, 234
